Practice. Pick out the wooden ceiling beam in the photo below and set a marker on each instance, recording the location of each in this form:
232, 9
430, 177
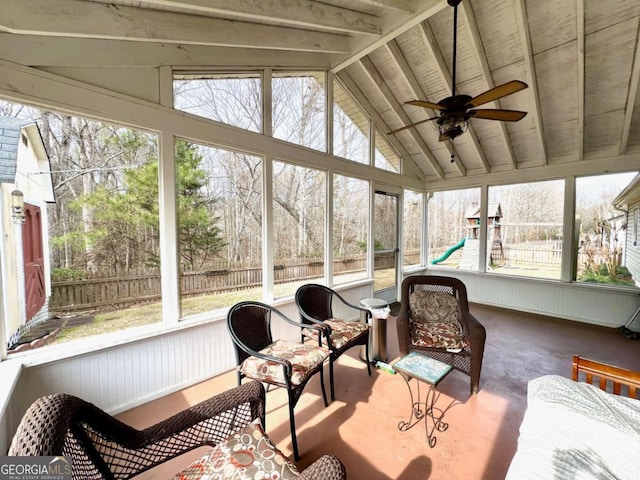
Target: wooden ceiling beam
476, 45
390, 99
406, 6
523, 28
80, 19
392, 25
442, 69
400, 60
37, 51
294, 13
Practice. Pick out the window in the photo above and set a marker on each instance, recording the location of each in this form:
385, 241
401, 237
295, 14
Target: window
92, 249
219, 227
412, 227
299, 104
454, 226
234, 99
524, 229
604, 254
385, 157
350, 128
299, 196
350, 228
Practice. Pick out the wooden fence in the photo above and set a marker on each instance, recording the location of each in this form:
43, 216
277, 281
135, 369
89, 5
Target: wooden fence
116, 292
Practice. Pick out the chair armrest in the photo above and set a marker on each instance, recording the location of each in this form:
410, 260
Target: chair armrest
474, 329
316, 325
326, 467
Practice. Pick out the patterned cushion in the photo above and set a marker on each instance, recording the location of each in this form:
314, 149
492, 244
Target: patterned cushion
435, 320
437, 335
426, 306
303, 359
246, 455
342, 331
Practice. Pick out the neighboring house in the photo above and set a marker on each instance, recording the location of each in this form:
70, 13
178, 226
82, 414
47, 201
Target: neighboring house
629, 201
25, 176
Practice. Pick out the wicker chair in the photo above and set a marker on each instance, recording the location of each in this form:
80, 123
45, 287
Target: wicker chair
315, 304
469, 358
103, 448
282, 363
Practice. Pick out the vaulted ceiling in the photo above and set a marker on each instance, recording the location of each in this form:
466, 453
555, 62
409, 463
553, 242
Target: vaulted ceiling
578, 57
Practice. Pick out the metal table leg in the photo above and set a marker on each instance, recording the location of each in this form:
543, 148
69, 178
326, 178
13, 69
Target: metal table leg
424, 409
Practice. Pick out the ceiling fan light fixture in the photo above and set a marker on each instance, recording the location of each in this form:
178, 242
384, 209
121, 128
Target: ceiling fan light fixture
452, 126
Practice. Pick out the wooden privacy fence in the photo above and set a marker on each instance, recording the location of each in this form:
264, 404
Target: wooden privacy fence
114, 292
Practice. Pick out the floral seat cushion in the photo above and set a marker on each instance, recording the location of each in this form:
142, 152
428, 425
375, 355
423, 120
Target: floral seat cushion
437, 335
435, 320
249, 454
342, 331
304, 358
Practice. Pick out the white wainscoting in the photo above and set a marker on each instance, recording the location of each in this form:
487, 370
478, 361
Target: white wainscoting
119, 377
598, 305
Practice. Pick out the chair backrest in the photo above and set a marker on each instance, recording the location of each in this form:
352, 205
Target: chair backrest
249, 324
315, 300
435, 283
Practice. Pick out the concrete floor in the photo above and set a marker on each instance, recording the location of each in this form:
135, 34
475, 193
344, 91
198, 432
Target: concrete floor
361, 425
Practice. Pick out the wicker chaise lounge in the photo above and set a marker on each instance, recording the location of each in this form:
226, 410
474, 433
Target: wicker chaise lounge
102, 447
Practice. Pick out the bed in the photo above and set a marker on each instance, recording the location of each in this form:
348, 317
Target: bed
586, 428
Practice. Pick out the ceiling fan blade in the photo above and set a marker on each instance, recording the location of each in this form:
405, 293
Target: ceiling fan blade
411, 125
502, 115
497, 92
425, 104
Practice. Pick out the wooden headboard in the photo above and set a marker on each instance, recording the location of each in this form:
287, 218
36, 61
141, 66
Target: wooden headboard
607, 377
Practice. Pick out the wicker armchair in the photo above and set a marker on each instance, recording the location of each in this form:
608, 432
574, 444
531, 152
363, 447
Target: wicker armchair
315, 304
103, 448
467, 358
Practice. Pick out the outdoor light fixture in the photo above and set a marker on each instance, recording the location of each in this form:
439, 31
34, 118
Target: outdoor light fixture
17, 207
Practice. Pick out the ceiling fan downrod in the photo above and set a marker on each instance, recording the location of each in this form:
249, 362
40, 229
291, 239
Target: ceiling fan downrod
454, 4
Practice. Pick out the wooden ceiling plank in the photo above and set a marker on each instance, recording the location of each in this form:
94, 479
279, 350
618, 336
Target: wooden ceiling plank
580, 36
392, 25
631, 98
74, 18
296, 13
523, 28
354, 90
476, 45
443, 71
395, 106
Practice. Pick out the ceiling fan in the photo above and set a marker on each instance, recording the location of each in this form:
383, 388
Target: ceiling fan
456, 110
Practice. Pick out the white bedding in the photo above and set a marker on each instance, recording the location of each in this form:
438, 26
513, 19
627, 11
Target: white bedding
574, 431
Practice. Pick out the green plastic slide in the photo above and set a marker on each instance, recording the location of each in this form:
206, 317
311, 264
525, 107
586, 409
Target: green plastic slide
446, 254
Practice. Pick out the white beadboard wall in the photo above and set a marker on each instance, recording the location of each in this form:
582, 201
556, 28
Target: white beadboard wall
120, 377
608, 307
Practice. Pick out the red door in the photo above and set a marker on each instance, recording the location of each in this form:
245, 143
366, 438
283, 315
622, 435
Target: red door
33, 260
